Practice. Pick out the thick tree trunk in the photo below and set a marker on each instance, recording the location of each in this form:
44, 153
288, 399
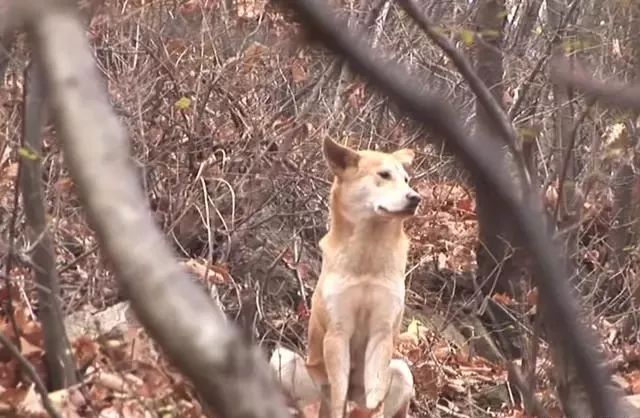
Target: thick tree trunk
499, 267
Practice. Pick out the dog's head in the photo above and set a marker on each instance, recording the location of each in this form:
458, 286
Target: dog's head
371, 184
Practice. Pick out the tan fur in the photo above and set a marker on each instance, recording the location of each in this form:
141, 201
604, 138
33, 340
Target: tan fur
358, 303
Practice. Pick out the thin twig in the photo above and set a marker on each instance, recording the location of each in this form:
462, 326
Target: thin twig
515, 374
31, 372
567, 158
60, 364
6, 45
8, 304
488, 101
564, 20
7, 38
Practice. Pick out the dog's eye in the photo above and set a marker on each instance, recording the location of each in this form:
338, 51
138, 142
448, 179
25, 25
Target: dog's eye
406, 180
385, 175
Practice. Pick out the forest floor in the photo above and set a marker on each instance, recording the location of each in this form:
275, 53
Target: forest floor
124, 374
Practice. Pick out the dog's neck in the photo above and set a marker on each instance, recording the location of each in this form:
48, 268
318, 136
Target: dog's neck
374, 246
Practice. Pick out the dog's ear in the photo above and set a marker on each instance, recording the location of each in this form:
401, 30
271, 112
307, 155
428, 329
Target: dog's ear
405, 156
339, 157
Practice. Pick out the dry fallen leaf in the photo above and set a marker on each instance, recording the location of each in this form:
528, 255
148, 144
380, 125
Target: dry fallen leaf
213, 273
29, 349
298, 72
32, 404
112, 381
356, 95
503, 299
110, 412
427, 382
250, 9
532, 297
32, 407
86, 351
634, 381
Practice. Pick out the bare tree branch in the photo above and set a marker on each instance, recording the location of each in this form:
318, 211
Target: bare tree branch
6, 45
7, 36
233, 378
7, 305
479, 157
614, 94
494, 110
60, 364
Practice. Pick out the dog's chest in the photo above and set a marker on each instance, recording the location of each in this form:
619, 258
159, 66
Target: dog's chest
360, 305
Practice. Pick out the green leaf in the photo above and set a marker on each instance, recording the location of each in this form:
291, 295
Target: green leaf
184, 103
575, 45
528, 134
28, 154
467, 36
440, 30
416, 328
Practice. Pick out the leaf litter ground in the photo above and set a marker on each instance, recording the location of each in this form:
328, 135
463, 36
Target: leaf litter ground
125, 375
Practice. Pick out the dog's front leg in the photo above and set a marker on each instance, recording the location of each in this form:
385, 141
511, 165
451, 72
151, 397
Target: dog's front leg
376, 368
337, 362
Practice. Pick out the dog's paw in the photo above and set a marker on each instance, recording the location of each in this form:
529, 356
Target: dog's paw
374, 399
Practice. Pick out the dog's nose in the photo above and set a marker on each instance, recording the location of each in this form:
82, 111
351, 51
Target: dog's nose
414, 198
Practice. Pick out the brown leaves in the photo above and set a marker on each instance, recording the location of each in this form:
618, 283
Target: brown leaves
298, 71
503, 299
302, 269
356, 95
353, 411
250, 9
195, 7
123, 376
445, 231
212, 274
634, 381
442, 370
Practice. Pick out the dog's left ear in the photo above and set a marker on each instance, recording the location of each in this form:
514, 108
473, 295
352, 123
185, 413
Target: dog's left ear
339, 157
405, 156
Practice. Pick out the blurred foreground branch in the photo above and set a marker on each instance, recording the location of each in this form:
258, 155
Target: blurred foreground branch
610, 93
479, 154
232, 377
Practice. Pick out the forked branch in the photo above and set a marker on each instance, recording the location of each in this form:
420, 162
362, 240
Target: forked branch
489, 102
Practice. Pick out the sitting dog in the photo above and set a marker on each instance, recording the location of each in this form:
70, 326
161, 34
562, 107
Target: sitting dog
358, 303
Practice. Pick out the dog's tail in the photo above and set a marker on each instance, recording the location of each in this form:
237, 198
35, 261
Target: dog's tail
292, 374
399, 392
